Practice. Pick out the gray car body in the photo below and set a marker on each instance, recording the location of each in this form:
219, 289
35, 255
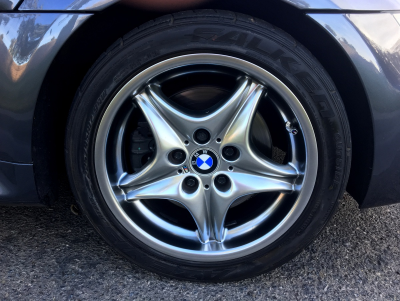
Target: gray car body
361, 39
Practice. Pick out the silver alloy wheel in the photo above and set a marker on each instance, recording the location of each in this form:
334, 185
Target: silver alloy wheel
228, 125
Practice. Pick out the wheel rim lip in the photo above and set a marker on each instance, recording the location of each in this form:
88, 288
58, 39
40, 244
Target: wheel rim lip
254, 71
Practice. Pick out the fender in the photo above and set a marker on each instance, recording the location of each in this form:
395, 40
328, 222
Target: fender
27, 58
361, 5
85, 5
375, 58
6, 5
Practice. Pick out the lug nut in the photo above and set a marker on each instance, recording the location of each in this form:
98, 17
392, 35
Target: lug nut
221, 180
190, 185
178, 155
229, 151
222, 183
202, 136
190, 182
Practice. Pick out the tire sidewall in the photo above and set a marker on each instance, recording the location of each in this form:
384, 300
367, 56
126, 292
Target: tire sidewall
248, 39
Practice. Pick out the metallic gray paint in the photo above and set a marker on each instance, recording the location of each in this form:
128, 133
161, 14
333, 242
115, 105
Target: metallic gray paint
95, 5
28, 44
98, 5
346, 4
17, 184
382, 5
372, 42
8, 4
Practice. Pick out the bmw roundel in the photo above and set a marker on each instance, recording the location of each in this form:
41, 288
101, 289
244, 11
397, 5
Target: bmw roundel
204, 161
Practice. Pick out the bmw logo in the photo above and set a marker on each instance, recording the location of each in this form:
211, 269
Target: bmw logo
204, 161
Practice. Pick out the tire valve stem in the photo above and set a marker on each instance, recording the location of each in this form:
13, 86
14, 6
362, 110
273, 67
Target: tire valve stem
290, 128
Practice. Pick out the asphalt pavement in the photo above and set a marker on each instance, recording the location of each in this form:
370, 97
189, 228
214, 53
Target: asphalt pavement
52, 254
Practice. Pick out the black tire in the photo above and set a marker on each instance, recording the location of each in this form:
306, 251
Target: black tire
214, 32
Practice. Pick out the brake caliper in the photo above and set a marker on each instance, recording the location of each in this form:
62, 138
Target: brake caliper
142, 146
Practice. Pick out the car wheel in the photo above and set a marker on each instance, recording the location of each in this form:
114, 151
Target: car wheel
208, 145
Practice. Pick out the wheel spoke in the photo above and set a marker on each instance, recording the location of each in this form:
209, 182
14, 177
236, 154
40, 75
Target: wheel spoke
171, 188
238, 135
241, 184
254, 162
166, 140
215, 122
238, 131
116, 150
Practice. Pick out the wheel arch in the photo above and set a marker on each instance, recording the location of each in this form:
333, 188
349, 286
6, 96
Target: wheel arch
103, 29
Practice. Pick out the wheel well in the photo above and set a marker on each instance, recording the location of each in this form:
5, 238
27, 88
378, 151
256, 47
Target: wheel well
100, 31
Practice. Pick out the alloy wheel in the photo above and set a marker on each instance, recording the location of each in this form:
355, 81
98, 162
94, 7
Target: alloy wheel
207, 161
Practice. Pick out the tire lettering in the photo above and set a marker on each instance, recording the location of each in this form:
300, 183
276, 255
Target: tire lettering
233, 38
287, 62
254, 45
324, 107
200, 34
307, 81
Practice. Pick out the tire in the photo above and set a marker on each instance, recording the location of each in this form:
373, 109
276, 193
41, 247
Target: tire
234, 35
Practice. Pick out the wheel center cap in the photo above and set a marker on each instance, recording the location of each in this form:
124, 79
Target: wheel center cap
204, 161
